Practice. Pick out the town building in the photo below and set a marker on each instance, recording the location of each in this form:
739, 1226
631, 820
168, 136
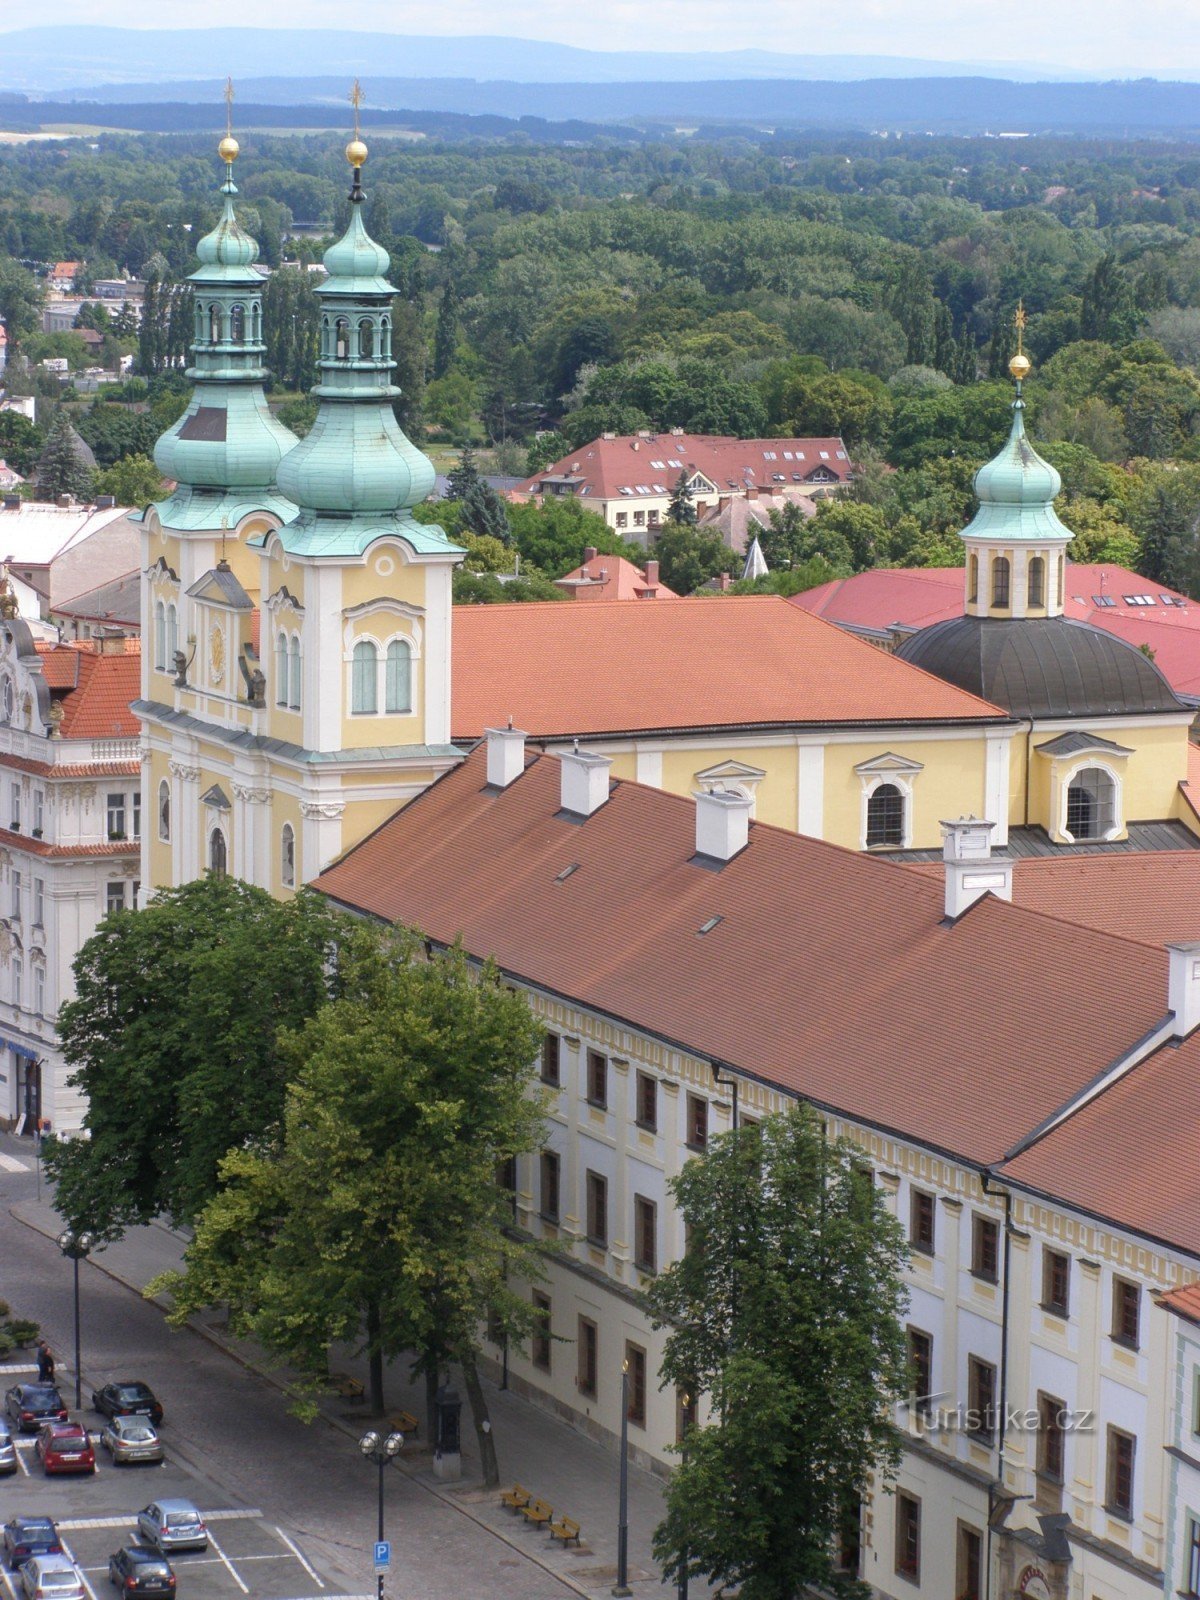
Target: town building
296, 677
629, 479
888, 604
609, 577
70, 820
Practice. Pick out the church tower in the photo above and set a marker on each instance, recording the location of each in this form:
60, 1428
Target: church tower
1016, 545
305, 691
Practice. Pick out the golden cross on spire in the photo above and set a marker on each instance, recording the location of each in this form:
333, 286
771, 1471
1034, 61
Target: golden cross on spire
356, 99
228, 107
1020, 364
228, 146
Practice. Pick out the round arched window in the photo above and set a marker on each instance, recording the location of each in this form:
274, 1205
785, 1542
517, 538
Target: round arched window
1091, 804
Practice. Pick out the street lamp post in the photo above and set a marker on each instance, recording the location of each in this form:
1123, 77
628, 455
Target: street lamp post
622, 1584
381, 1451
682, 1586
75, 1246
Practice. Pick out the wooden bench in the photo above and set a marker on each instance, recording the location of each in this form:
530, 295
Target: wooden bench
404, 1422
538, 1512
516, 1498
565, 1529
345, 1386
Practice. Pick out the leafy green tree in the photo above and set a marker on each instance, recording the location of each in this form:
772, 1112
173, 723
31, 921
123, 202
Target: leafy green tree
544, 451
298, 413
172, 1038
680, 509
445, 338
21, 297
485, 589
21, 442
553, 536
62, 467
463, 476
689, 557
484, 513
132, 481
1109, 311
786, 1311
374, 1215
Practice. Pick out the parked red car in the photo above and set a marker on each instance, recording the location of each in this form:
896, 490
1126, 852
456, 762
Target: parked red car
65, 1447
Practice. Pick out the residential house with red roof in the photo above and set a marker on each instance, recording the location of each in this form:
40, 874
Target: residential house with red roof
70, 822
630, 478
609, 577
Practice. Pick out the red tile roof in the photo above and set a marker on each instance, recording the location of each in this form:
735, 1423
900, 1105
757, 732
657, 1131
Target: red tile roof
601, 469
38, 847
1169, 624
831, 975
99, 688
728, 661
611, 578
1152, 896
1184, 1302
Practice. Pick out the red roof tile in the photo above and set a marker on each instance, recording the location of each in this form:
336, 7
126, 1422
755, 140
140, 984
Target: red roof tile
611, 578
99, 688
829, 974
1184, 1302
1169, 625
729, 661
601, 469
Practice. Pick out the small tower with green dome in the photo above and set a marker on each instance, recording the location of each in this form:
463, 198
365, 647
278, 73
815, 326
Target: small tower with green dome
1016, 544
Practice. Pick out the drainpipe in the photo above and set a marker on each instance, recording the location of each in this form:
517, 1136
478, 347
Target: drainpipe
727, 1083
1028, 765
1003, 1420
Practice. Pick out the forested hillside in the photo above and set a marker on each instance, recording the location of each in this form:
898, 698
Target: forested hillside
816, 285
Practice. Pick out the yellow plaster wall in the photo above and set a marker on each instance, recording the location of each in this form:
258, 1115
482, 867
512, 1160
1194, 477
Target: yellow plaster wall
404, 582
284, 808
952, 783
1150, 774
292, 580
775, 795
160, 853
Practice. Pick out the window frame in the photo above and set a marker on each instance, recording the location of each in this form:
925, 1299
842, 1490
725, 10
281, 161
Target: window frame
1051, 1458
636, 1371
596, 1070
985, 1227
115, 804
646, 1098
908, 1534
920, 1360
645, 1232
596, 1209
891, 834
541, 1338
587, 1376
1056, 1282
1192, 1556
1000, 584
551, 1060
287, 856
968, 1554
164, 812
1116, 1469
404, 651
550, 1186
114, 895
364, 655
697, 1131
981, 1399
1120, 1304
38, 903
922, 1207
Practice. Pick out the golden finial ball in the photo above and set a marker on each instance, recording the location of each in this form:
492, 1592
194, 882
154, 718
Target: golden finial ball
1019, 367
356, 152
228, 148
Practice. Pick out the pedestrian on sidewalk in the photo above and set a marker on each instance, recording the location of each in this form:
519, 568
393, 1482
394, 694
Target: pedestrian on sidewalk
45, 1362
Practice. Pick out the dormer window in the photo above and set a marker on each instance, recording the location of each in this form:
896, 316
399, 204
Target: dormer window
1001, 573
1091, 804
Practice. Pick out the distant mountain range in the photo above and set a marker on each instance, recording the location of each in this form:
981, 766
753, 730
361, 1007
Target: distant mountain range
460, 108
92, 62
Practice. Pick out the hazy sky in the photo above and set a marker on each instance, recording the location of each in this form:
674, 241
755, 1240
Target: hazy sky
1092, 35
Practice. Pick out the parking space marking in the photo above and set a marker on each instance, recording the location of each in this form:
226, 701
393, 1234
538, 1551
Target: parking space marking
18, 1366
233, 1571
296, 1552
70, 1555
8, 1582
12, 1164
21, 1461
80, 1524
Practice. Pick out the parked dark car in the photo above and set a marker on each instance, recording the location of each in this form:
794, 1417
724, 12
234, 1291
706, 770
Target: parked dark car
30, 1536
127, 1398
135, 1570
28, 1405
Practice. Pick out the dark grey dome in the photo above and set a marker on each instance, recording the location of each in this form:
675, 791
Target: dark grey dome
1042, 667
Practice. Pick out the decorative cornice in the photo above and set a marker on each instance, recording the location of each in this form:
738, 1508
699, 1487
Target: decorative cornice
251, 796
179, 769
325, 810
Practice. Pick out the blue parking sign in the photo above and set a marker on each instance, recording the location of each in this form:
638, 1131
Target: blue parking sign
383, 1554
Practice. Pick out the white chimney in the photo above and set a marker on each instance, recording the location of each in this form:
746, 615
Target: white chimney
1183, 986
584, 781
505, 755
971, 868
722, 824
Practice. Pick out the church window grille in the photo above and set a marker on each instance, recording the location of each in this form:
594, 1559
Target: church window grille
1091, 804
364, 685
885, 817
294, 673
398, 685
218, 854
164, 811
281, 669
1037, 581
287, 868
1001, 572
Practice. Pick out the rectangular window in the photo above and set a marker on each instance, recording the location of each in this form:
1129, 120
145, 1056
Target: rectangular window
635, 1369
622, 519
1051, 1439
589, 1357
116, 816
18, 980
908, 1536
645, 1234
550, 1060
39, 991
539, 1344
550, 1187
597, 1208
1193, 1557
137, 814
981, 1399
920, 1360
969, 1564
697, 1122
15, 791
597, 1079
16, 894
985, 1249
1126, 1306
39, 902
647, 1102
39, 810
1056, 1282
921, 1227
1119, 1484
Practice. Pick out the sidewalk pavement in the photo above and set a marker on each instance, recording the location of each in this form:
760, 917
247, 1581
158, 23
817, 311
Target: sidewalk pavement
576, 1474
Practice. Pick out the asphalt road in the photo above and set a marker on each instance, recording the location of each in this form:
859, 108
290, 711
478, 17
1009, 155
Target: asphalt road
296, 1502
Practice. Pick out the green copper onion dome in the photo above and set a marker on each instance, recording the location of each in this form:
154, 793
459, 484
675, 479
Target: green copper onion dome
225, 451
1016, 491
356, 476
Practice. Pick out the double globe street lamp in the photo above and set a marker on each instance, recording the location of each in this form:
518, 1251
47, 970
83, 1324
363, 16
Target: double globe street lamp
381, 1450
76, 1246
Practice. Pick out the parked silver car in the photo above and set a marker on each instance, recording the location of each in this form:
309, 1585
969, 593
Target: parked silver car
172, 1525
8, 1451
131, 1439
51, 1578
